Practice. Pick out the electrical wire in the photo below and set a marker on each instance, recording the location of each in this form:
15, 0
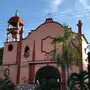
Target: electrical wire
70, 13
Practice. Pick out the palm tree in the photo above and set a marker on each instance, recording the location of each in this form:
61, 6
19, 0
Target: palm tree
80, 79
71, 51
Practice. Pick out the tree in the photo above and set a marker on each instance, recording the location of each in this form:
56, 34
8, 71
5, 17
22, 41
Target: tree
71, 51
7, 84
80, 79
1, 55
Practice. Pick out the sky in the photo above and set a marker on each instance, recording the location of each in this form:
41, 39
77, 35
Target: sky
34, 13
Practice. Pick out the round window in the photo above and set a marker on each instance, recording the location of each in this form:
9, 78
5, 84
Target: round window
10, 47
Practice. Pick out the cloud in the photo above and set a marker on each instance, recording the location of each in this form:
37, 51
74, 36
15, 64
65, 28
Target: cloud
55, 5
85, 3
81, 9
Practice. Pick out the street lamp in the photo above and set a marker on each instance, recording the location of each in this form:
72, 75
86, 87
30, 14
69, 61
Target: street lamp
88, 53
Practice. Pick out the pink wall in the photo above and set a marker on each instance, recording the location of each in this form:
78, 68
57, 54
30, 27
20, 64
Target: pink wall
9, 57
24, 73
45, 30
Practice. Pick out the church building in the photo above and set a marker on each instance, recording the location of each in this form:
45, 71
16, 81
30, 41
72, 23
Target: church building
29, 59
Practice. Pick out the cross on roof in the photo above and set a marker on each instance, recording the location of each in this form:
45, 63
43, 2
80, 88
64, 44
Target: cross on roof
49, 14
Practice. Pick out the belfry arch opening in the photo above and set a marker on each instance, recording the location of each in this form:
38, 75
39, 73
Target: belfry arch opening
48, 73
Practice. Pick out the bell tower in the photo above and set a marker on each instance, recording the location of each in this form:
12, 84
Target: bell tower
15, 24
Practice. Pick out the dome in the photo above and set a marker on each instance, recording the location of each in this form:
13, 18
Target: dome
13, 21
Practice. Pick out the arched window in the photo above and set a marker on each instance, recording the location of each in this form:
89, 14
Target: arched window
10, 47
26, 52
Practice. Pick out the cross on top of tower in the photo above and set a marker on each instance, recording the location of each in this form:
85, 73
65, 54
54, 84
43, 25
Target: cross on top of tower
17, 13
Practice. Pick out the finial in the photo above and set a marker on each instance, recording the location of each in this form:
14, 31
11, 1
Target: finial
79, 22
79, 27
16, 14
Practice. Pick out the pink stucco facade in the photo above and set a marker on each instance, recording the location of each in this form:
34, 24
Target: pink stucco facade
40, 50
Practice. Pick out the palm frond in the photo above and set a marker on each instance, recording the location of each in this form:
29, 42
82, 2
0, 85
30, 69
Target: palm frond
58, 39
79, 79
73, 84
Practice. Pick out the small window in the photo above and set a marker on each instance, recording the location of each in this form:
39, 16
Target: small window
10, 47
27, 52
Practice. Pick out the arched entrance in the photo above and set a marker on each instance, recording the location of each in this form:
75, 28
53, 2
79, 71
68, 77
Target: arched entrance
49, 75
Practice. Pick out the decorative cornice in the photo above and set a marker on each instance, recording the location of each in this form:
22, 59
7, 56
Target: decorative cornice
29, 33
41, 62
84, 38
